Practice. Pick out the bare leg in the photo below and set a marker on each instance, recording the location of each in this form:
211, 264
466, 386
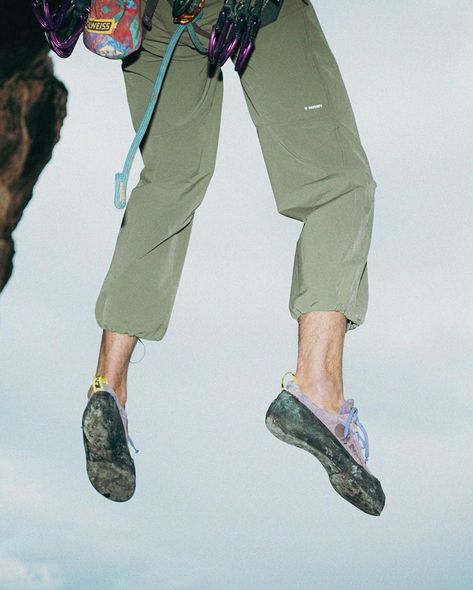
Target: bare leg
319, 362
114, 358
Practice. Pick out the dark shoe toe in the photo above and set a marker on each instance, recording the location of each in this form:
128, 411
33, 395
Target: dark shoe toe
110, 468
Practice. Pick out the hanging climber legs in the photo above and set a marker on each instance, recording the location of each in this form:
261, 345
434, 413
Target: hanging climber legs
320, 176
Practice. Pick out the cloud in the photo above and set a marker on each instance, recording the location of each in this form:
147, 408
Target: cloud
219, 503
16, 575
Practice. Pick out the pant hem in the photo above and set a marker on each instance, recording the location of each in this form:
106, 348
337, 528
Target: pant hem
143, 335
353, 321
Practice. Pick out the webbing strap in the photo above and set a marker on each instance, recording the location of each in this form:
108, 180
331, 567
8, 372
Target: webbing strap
201, 48
121, 178
150, 9
201, 32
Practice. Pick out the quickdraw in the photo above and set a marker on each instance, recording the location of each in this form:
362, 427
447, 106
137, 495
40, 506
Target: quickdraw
236, 28
63, 25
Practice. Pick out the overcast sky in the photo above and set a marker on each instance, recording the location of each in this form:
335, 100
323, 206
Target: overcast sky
220, 503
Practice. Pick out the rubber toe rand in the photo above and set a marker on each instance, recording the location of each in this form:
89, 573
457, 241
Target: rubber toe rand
292, 422
110, 468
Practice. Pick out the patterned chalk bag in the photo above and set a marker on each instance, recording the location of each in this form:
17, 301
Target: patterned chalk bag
113, 28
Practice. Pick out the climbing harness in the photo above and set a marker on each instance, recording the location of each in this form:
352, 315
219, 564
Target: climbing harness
64, 25
113, 29
121, 178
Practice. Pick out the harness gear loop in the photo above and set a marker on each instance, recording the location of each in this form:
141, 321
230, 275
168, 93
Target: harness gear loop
148, 13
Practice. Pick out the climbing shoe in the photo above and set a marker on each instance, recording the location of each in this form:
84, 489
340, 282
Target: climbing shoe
338, 440
110, 468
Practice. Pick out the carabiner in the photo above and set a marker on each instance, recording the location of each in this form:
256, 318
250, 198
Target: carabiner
237, 30
64, 25
64, 47
185, 11
248, 41
220, 29
48, 21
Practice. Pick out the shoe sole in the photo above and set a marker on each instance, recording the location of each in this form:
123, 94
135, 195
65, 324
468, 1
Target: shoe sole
110, 468
291, 421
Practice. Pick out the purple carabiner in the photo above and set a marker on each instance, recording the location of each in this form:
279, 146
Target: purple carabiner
248, 42
48, 21
217, 40
244, 56
215, 33
57, 48
60, 14
41, 17
228, 47
64, 44
234, 37
53, 22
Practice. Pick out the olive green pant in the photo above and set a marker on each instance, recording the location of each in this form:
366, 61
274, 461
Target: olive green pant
318, 169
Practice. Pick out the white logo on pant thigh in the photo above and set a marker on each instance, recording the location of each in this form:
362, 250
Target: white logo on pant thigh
312, 107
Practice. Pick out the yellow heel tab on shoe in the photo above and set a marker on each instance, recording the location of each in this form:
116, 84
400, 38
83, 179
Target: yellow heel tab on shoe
98, 383
283, 381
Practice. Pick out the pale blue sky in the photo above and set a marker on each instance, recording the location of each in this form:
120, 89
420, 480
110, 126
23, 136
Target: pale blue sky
220, 503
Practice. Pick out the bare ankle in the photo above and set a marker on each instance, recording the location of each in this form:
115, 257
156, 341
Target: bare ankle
114, 357
326, 392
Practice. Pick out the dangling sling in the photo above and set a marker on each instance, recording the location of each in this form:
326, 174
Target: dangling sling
121, 178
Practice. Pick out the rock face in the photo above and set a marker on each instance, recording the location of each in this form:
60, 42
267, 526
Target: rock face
32, 110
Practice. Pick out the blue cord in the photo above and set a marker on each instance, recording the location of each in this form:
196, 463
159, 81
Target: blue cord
353, 418
121, 178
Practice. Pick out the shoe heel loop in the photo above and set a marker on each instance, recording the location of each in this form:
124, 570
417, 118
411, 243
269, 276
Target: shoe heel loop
284, 380
99, 384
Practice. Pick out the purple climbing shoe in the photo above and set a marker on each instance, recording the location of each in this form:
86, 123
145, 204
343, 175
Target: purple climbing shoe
110, 468
338, 440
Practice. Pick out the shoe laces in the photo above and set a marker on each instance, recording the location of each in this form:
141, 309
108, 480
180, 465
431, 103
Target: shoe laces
359, 430
124, 417
352, 424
